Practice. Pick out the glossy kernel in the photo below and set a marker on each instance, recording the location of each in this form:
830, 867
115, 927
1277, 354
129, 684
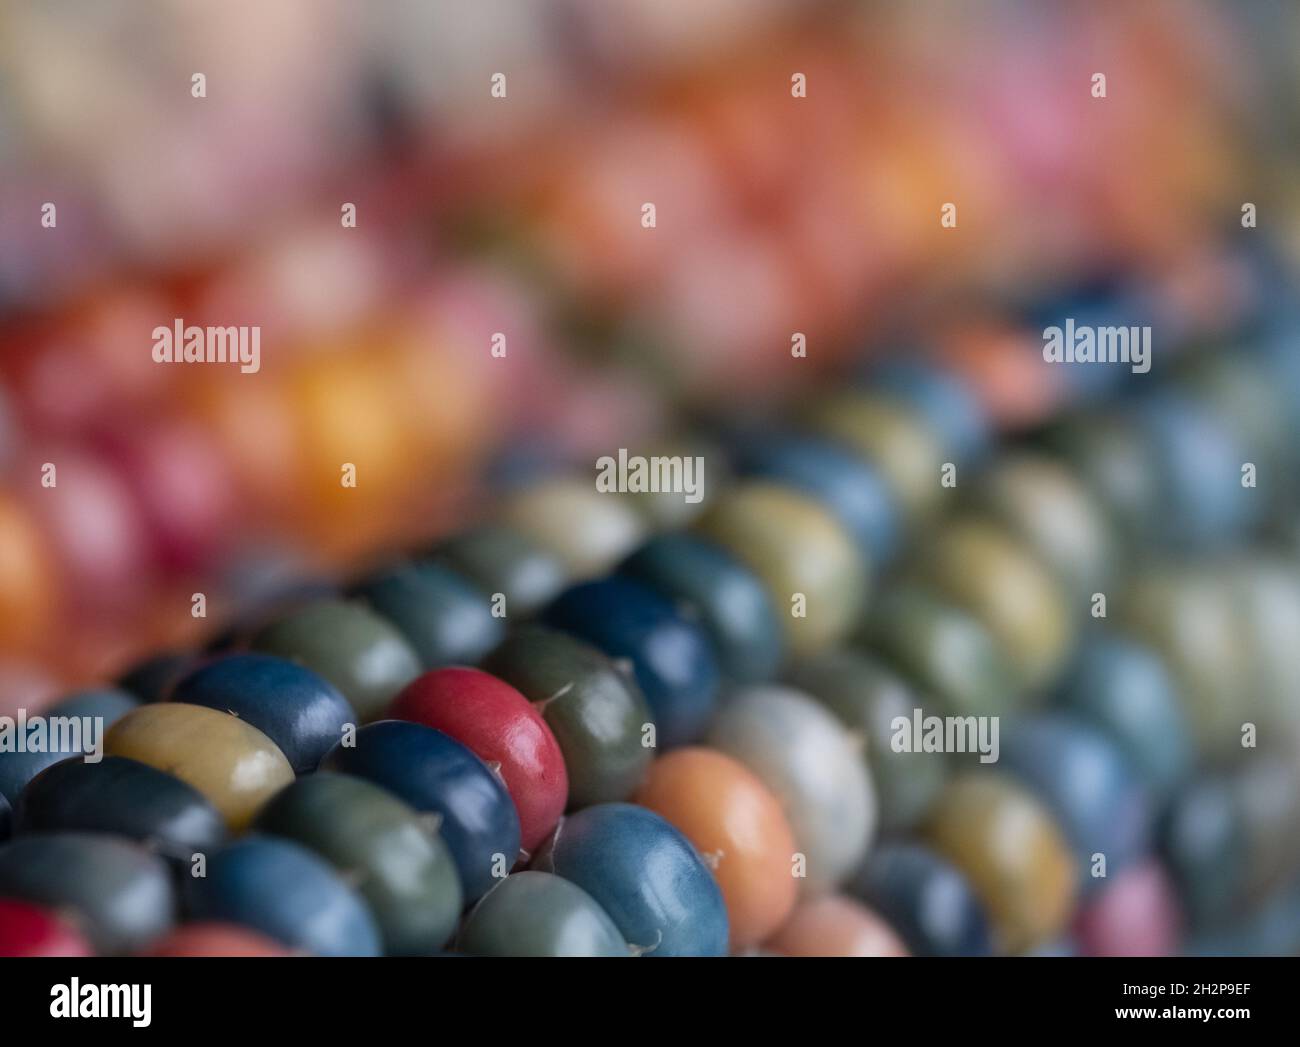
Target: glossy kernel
286, 892
645, 874
731, 603
401, 866
534, 913
497, 724
230, 762
670, 655
739, 829
435, 773
815, 769
361, 653
300, 712
868, 698
125, 797
596, 712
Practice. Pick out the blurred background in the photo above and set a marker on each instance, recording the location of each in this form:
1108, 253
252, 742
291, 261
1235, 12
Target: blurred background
519, 213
